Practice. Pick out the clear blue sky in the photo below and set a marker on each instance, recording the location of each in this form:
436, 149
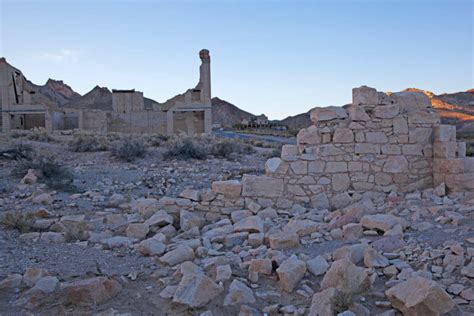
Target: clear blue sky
275, 57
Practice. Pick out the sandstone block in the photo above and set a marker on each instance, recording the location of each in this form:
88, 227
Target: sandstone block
444, 133
445, 149
91, 292
299, 167
387, 111
229, 188
261, 186
376, 137
343, 135
327, 114
411, 101
316, 166
324, 303
290, 273
276, 165
309, 136
366, 148
340, 181
239, 293
382, 222
396, 164
262, 266
364, 95
188, 220
284, 240
358, 113
346, 277
400, 125
336, 166
180, 254
419, 296
196, 290
251, 224
289, 152
317, 266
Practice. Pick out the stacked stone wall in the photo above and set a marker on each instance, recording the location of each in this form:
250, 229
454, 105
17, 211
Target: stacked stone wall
378, 144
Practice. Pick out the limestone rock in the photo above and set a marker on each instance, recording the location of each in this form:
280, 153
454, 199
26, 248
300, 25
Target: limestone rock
317, 266
180, 254
251, 224
284, 240
372, 259
327, 114
346, 277
196, 290
382, 222
239, 293
137, 231
290, 272
151, 247
261, 186
230, 188
324, 302
190, 194
90, 292
32, 275
159, 219
188, 220
43, 198
419, 296
30, 177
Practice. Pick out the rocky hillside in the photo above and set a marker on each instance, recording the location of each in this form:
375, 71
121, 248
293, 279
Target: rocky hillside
454, 108
98, 98
54, 93
226, 114
297, 122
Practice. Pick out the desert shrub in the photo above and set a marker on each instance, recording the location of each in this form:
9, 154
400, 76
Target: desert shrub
88, 143
226, 148
129, 150
156, 140
276, 152
37, 134
23, 222
18, 151
49, 171
470, 149
186, 149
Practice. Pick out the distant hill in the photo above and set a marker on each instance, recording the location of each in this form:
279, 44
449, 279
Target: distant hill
297, 122
226, 114
98, 98
53, 94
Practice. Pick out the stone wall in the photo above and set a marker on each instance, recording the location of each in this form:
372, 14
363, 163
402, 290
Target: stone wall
378, 144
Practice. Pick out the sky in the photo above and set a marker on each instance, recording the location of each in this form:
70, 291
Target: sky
280, 58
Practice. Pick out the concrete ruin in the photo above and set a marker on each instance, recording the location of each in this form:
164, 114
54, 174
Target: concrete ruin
378, 144
126, 111
19, 104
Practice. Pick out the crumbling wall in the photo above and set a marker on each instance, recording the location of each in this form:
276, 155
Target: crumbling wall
137, 122
379, 143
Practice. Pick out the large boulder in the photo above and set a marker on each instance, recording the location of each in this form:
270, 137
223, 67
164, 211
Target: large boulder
419, 297
290, 272
346, 277
91, 292
196, 289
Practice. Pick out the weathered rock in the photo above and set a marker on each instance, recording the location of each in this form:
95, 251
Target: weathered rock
188, 220
159, 219
372, 259
223, 273
284, 240
12, 281
419, 296
145, 206
90, 292
43, 198
346, 277
32, 275
262, 266
196, 290
327, 114
317, 266
151, 247
239, 293
180, 254
290, 272
261, 186
137, 231
382, 222
251, 224
302, 227
30, 177
230, 188
324, 302
190, 194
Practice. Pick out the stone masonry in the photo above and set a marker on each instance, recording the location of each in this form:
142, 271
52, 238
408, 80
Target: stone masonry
378, 144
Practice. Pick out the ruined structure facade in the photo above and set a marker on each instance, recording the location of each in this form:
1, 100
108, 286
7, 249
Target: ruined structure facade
18, 103
378, 144
126, 112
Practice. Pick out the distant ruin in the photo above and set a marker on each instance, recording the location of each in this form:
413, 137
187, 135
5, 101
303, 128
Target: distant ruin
22, 108
379, 143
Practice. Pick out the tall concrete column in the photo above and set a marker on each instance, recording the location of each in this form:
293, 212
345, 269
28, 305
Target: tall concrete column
205, 76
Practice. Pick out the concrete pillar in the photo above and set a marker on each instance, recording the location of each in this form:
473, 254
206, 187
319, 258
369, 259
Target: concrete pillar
205, 76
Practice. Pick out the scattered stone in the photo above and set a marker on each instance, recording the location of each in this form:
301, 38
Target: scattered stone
346, 277
91, 292
178, 255
239, 293
290, 272
317, 266
419, 296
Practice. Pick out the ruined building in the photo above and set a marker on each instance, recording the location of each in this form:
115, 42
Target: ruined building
378, 144
127, 111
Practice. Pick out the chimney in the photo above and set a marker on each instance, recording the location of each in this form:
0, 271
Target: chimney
205, 76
